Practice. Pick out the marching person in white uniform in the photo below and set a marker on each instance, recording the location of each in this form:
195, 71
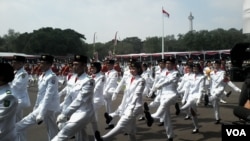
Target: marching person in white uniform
122, 83
130, 107
19, 85
149, 83
217, 87
111, 79
183, 85
193, 94
47, 102
168, 85
97, 75
149, 80
80, 109
8, 104
160, 73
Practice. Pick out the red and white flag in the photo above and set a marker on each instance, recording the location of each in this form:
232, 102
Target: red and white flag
165, 12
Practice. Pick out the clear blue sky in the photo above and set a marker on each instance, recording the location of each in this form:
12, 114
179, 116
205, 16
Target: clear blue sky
140, 18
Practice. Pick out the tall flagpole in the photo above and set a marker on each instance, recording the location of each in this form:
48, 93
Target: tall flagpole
94, 54
162, 43
115, 43
94, 43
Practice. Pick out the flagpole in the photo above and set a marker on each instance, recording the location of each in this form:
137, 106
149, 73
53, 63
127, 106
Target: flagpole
115, 43
94, 44
162, 43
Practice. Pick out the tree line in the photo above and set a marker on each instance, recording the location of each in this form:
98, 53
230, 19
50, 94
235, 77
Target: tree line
66, 42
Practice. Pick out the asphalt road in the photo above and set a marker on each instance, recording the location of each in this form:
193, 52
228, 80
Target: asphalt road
182, 128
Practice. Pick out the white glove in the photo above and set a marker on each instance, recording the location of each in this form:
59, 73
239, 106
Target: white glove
129, 113
238, 90
157, 86
105, 94
114, 96
61, 125
61, 118
183, 101
39, 119
150, 93
198, 102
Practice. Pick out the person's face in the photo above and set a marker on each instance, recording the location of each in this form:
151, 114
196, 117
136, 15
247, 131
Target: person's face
195, 70
110, 66
162, 65
78, 67
93, 70
133, 71
217, 66
169, 65
189, 69
17, 65
44, 66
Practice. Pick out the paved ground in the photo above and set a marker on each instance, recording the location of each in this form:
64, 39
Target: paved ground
182, 128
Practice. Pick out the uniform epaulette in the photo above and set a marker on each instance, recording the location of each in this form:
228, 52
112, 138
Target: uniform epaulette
23, 75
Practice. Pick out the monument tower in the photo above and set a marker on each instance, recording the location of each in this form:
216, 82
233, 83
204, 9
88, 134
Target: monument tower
191, 17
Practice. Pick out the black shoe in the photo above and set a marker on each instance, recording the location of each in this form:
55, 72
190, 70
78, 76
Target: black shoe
195, 131
177, 108
141, 119
125, 134
229, 93
217, 121
146, 107
108, 118
111, 126
149, 119
187, 118
161, 124
206, 100
170, 139
98, 136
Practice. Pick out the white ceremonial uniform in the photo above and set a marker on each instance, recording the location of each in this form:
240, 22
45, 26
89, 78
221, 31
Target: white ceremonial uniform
193, 95
8, 109
168, 85
80, 109
182, 85
149, 82
46, 106
217, 88
65, 92
98, 97
20, 91
129, 109
127, 75
122, 83
160, 73
111, 79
